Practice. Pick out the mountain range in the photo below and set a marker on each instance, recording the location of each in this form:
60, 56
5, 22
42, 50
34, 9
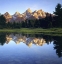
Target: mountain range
28, 14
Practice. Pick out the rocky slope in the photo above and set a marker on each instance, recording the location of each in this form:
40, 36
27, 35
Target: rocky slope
8, 17
28, 14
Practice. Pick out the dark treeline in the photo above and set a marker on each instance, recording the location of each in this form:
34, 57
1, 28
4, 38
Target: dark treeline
49, 21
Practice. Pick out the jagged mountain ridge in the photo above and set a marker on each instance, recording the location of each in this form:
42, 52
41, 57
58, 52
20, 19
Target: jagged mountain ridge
28, 14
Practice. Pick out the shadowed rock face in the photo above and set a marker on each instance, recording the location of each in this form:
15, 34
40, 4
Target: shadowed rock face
17, 17
28, 14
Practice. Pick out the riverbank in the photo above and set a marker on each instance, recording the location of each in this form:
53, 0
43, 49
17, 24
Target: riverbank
51, 31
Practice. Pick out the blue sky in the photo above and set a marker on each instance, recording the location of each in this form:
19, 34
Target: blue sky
21, 6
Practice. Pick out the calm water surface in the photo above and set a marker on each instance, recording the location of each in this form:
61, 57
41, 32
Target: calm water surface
30, 49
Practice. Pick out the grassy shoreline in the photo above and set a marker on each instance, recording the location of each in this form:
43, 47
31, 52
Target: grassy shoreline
51, 31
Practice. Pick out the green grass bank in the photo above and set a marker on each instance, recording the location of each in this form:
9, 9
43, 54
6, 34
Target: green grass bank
51, 31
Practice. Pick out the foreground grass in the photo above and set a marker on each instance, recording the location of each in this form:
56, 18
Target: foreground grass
51, 31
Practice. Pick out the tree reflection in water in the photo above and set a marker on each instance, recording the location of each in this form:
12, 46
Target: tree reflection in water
58, 45
2, 38
36, 39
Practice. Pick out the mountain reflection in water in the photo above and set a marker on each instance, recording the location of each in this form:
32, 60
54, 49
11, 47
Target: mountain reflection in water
29, 40
18, 38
